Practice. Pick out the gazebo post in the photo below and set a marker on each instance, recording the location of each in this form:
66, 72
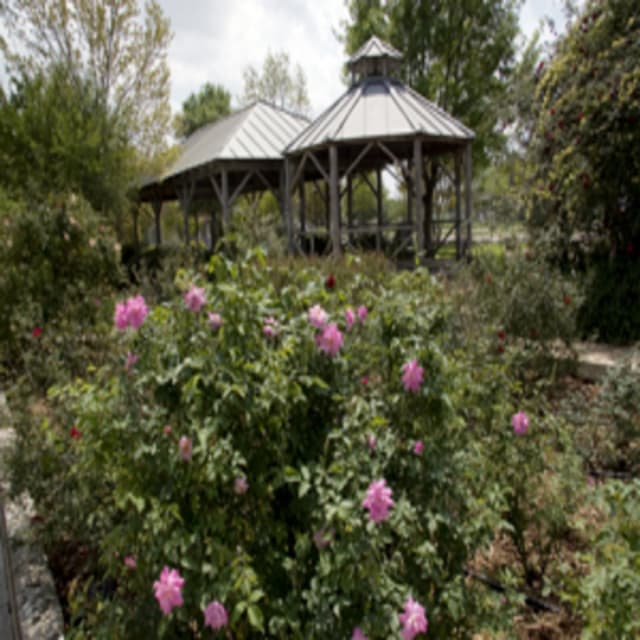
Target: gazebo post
287, 204
226, 209
458, 159
303, 204
185, 195
157, 210
380, 221
350, 206
417, 169
467, 194
334, 197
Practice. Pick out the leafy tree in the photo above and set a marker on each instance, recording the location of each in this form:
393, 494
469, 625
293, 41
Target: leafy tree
51, 140
586, 148
114, 45
209, 104
277, 83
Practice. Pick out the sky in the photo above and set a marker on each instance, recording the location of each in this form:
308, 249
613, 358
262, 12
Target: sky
215, 40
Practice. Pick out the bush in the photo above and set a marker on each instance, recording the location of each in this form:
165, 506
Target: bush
280, 442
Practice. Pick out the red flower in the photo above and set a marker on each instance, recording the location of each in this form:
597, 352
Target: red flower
501, 335
364, 381
488, 277
500, 348
75, 433
567, 299
330, 281
36, 332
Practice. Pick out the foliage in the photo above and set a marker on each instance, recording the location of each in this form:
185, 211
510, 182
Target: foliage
294, 556
52, 255
277, 83
209, 104
586, 146
112, 45
51, 141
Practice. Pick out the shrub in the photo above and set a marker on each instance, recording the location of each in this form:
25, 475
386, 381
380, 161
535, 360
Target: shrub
241, 456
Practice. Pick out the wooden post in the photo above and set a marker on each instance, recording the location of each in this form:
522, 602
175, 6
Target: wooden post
380, 221
185, 194
157, 210
226, 208
213, 228
334, 200
417, 178
350, 206
467, 194
302, 207
287, 204
458, 159
409, 193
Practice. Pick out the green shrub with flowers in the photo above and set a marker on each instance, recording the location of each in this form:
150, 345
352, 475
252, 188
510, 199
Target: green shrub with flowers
279, 462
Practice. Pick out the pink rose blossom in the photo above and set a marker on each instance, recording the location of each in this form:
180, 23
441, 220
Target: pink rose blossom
186, 447
418, 447
215, 615
364, 381
130, 562
358, 635
137, 311
350, 317
169, 590
412, 376
520, 423
120, 317
372, 441
195, 298
132, 358
270, 327
362, 313
240, 485
378, 500
413, 620
318, 317
330, 341
167, 429
215, 321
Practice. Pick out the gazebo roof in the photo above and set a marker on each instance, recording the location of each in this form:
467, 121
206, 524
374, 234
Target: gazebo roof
375, 48
380, 108
259, 131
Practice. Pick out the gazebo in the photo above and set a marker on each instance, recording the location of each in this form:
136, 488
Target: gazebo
379, 124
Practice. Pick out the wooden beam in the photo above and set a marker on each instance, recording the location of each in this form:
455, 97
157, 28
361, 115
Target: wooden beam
294, 177
185, 196
380, 221
356, 162
418, 171
216, 188
240, 187
302, 207
467, 194
157, 210
334, 200
287, 209
224, 200
350, 204
320, 168
458, 206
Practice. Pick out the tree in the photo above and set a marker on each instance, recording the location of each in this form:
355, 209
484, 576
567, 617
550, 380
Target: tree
586, 146
209, 104
115, 46
278, 83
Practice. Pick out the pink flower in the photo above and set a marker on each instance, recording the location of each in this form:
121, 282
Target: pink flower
318, 317
169, 590
270, 327
132, 358
372, 441
378, 500
362, 313
137, 311
323, 538
186, 447
215, 615
412, 376
350, 317
130, 562
358, 635
364, 381
167, 429
195, 298
520, 423
37, 331
120, 316
413, 620
215, 321
418, 447
75, 433
330, 341
240, 485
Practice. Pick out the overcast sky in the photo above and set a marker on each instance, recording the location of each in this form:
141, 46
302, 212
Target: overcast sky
216, 39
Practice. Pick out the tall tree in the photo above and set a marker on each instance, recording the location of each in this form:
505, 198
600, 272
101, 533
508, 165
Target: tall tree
277, 83
209, 104
116, 46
